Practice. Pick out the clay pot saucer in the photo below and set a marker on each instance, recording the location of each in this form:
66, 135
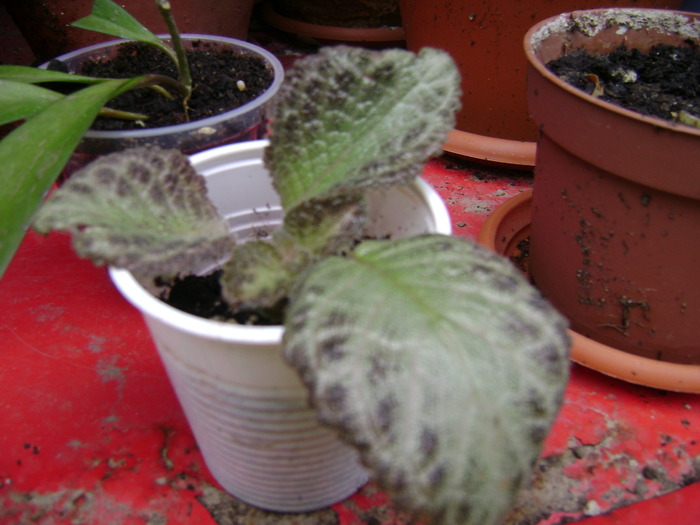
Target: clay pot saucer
322, 34
491, 150
502, 232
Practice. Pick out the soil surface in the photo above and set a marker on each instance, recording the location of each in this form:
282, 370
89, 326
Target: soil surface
202, 296
661, 83
215, 76
521, 257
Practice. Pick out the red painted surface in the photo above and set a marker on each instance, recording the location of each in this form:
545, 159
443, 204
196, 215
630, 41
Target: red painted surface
90, 430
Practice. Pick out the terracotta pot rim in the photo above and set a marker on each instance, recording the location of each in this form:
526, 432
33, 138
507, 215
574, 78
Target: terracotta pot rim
331, 33
610, 361
491, 150
534, 60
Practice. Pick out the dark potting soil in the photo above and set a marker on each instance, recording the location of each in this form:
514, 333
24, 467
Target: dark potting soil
661, 83
201, 295
215, 78
521, 257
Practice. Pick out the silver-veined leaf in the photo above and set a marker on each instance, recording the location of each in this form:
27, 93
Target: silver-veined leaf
260, 273
349, 118
144, 209
440, 362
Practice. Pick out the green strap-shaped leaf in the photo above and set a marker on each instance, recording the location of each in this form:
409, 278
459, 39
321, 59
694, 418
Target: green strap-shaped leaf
353, 118
32, 156
33, 75
20, 101
439, 362
111, 19
143, 209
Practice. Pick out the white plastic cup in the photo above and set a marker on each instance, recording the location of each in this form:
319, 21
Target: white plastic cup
247, 408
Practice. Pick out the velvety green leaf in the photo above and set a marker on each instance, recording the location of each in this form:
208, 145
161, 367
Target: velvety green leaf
353, 118
440, 362
327, 226
33, 155
19, 101
33, 75
111, 19
260, 273
146, 210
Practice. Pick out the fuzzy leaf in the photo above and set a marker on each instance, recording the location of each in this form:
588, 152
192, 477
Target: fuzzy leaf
260, 273
143, 209
33, 155
440, 362
353, 118
257, 277
327, 226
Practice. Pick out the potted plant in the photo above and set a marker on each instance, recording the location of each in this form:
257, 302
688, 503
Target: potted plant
430, 355
484, 38
244, 121
615, 202
59, 122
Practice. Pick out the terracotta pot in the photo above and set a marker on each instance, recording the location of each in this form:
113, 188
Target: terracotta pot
616, 208
45, 24
507, 232
484, 38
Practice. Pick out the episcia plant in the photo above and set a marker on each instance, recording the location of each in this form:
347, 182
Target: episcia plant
33, 154
430, 354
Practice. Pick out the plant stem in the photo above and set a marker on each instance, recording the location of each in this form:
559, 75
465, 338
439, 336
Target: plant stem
182, 65
155, 82
163, 81
123, 115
